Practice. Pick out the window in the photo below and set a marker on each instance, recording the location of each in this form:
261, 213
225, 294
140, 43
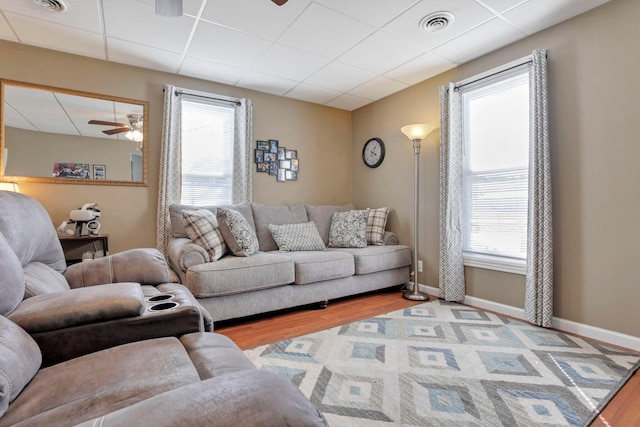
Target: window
207, 151
495, 171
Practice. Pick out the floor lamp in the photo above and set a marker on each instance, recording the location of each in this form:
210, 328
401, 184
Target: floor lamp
416, 133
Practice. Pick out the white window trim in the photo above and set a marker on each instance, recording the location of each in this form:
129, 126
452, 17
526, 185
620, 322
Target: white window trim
495, 262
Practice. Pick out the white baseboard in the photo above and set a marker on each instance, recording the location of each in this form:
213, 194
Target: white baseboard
593, 332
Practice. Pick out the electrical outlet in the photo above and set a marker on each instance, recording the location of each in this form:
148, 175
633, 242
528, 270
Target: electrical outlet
419, 266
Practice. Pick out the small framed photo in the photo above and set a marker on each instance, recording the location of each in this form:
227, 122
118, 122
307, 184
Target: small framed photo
273, 168
294, 165
285, 164
270, 157
259, 156
282, 175
282, 152
263, 167
273, 146
291, 154
291, 175
263, 145
99, 172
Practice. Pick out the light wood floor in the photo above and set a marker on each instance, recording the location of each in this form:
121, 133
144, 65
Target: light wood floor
622, 411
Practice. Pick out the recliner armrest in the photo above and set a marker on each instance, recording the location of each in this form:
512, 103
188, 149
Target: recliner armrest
75, 307
145, 266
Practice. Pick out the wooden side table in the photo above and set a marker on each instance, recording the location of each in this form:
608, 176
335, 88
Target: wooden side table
76, 245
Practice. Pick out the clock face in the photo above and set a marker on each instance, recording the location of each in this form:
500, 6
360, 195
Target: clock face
373, 152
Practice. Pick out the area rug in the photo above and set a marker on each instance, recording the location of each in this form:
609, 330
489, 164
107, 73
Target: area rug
445, 364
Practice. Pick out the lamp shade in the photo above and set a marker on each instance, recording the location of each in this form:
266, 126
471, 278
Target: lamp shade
9, 186
417, 131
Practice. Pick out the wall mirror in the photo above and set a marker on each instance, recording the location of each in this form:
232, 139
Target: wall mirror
55, 135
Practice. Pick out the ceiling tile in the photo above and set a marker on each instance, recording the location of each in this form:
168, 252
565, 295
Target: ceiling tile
235, 14
5, 31
499, 6
311, 93
137, 22
373, 12
266, 83
420, 69
467, 13
143, 56
536, 15
378, 88
15, 120
210, 70
217, 43
40, 108
289, 63
324, 32
340, 77
57, 37
189, 7
479, 41
348, 102
381, 52
84, 15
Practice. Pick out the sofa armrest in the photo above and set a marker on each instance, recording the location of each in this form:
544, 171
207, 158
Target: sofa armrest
75, 307
145, 266
183, 253
244, 398
390, 238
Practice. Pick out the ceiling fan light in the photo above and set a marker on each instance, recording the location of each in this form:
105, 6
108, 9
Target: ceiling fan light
171, 8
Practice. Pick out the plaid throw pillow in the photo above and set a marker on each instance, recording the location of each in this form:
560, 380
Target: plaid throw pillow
202, 228
297, 237
376, 224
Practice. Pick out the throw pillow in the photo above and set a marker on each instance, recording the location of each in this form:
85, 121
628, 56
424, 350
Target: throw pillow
201, 227
297, 237
348, 229
376, 223
237, 233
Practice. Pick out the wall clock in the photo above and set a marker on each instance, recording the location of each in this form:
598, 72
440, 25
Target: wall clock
373, 152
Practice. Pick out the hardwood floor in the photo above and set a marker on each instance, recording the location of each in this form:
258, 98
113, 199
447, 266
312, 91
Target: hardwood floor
623, 410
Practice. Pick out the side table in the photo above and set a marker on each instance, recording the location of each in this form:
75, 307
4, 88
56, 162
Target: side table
74, 246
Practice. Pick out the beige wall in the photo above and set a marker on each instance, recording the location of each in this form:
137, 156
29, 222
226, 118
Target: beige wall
321, 135
595, 152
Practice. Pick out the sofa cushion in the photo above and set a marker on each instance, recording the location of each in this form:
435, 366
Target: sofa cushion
41, 279
175, 215
376, 223
321, 216
318, 266
202, 228
264, 215
11, 279
297, 237
233, 275
348, 229
378, 258
20, 359
237, 233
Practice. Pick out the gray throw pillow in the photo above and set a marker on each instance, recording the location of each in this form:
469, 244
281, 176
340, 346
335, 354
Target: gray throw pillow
348, 229
376, 223
297, 237
237, 233
202, 228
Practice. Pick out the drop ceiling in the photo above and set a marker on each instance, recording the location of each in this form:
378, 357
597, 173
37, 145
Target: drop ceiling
340, 53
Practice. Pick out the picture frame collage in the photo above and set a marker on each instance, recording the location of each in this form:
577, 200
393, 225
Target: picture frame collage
276, 160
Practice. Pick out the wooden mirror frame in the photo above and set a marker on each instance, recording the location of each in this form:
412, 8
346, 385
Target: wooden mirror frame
87, 181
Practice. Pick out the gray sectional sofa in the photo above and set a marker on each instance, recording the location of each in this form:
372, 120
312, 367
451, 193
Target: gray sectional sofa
269, 279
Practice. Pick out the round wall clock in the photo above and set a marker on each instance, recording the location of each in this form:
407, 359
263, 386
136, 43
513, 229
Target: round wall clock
373, 152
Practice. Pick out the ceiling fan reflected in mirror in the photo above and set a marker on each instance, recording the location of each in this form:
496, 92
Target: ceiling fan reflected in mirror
174, 7
135, 125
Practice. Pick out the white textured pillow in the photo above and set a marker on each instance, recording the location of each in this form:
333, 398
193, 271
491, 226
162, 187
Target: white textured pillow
237, 232
201, 227
297, 237
376, 224
348, 229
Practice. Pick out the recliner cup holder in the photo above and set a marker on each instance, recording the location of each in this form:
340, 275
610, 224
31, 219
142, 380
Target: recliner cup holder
164, 306
160, 297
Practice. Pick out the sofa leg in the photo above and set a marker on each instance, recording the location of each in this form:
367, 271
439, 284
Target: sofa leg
323, 304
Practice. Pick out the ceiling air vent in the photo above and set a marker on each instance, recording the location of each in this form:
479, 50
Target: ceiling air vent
437, 21
52, 5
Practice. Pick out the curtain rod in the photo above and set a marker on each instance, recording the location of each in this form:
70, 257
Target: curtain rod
199, 95
487, 74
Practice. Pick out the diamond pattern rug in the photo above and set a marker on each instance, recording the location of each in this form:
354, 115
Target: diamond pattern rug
445, 364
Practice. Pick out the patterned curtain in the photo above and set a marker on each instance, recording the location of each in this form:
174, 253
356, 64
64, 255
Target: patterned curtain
538, 306
170, 165
242, 166
451, 268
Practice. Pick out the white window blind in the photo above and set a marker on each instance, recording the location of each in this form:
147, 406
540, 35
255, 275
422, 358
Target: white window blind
496, 161
207, 151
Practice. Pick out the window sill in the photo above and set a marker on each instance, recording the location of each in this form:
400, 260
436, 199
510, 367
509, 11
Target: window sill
493, 262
